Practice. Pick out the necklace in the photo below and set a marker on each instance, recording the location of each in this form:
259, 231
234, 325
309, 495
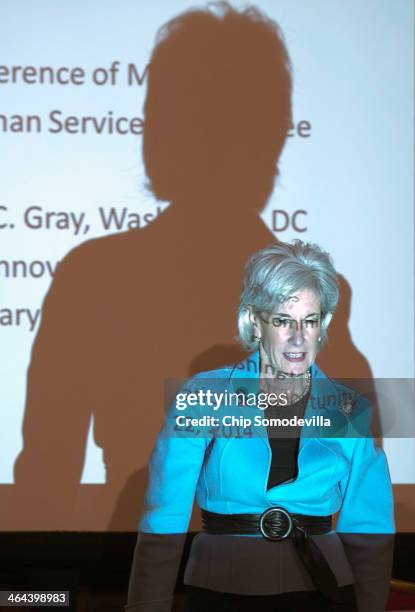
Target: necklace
295, 397
272, 386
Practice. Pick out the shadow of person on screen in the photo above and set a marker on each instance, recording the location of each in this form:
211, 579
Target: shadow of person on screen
127, 311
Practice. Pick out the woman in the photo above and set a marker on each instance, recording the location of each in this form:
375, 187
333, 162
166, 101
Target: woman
267, 502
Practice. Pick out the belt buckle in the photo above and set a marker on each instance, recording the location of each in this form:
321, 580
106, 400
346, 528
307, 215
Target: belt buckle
275, 524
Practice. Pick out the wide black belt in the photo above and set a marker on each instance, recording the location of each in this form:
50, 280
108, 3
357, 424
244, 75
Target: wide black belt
277, 524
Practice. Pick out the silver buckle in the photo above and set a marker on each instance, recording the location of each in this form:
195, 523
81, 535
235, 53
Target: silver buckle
275, 524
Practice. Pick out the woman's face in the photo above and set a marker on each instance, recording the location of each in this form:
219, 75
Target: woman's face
289, 335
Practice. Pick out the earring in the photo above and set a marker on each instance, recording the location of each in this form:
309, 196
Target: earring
319, 338
257, 338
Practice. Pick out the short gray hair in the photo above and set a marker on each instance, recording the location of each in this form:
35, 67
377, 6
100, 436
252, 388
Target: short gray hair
278, 271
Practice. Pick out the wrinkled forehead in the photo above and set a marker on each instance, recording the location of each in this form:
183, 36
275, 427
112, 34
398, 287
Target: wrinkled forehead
305, 302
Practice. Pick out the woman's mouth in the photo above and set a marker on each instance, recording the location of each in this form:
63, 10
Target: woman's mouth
294, 357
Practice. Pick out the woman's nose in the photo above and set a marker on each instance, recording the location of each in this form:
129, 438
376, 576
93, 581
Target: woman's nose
297, 336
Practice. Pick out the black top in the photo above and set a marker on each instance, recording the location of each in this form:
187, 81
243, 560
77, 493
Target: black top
285, 441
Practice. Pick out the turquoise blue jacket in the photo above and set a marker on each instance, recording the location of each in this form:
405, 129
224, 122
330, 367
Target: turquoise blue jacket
342, 474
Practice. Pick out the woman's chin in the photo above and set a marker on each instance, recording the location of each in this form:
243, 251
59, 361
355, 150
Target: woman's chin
297, 369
